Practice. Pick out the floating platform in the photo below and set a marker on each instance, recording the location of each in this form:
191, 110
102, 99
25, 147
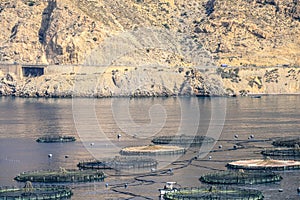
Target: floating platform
61, 176
183, 140
265, 164
287, 142
32, 193
152, 150
56, 139
212, 193
120, 163
240, 177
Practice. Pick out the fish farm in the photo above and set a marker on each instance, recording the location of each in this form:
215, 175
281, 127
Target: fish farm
56, 139
240, 177
286, 142
265, 164
120, 163
212, 193
183, 140
61, 176
152, 150
32, 193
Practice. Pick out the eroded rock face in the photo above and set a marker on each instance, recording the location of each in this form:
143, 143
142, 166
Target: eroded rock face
252, 32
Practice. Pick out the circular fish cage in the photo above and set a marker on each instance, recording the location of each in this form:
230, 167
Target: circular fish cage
62, 175
56, 139
293, 152
265, 164
240, 177
212, 193
286, 142
38, 192
152, 150
183, 140
120, 163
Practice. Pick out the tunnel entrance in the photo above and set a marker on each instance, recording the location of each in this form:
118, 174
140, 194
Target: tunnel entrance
32, 71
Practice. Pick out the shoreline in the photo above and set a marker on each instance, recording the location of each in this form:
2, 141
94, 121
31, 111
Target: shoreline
144, 82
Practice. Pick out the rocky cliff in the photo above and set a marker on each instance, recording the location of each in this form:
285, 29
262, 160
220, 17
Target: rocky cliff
235, 32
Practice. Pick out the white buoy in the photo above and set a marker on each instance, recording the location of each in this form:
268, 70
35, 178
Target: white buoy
251, 136
119, 136
236, 136
92, 144
298, 189
209, 157
153, 169
220, 146
50, 155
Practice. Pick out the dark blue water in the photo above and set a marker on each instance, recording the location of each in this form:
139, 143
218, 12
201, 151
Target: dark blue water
98, 121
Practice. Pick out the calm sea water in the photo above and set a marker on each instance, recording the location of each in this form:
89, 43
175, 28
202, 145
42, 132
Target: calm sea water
96, 122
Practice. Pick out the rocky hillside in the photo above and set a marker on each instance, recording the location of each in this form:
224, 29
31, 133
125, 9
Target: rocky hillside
235, 32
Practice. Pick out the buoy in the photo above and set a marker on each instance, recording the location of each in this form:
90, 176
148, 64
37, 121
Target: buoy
280, 190
234, 147
92, 144
126, 185
251, 136
153, 169
119, 136
209, 157
66, 156
298, 190
220, 146
171, 170
49, 155
106, 185
236, 136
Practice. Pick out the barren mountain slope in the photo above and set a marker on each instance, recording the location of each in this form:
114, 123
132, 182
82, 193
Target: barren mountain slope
236, 32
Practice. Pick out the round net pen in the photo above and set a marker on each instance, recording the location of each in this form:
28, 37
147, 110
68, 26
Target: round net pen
120, 163
292, 152
212, 193
286, 142
183, 140
152, 150
240, 177
62, 175
265, 164
28, 192
56, 139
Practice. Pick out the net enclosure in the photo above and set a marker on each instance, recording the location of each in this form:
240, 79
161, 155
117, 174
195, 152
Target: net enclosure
119, 162
240, 177
28, 192
183, 140
62, 175
212, 193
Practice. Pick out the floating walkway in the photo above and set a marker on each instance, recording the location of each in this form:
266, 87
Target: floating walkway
56, 139
287, 142
265, 164
152, 150
33, 193
240, 177
212, 193
120, 163
183, 140
61, 176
